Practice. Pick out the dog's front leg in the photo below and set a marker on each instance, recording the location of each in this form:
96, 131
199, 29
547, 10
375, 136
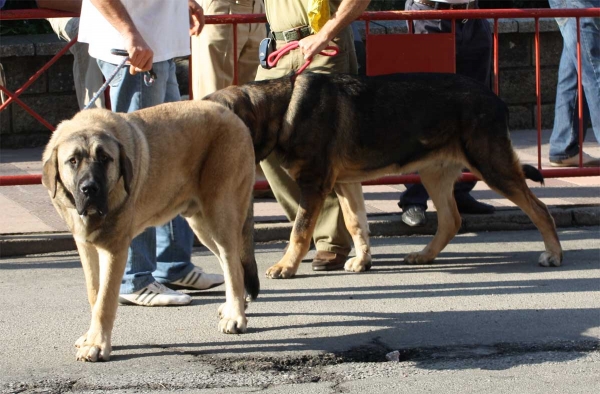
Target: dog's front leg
89, 262
311, 202
355, 216
97, 346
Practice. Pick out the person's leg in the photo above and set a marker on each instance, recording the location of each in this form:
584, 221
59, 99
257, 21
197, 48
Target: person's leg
87, 77
564, 142
174, 240
413, 201
125, 91
332, 240
328, 235
249, 38
129, 93
415, 194
590, 62
212, 52
474, 60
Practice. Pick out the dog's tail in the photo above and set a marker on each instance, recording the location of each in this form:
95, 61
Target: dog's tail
533, 173
251, 282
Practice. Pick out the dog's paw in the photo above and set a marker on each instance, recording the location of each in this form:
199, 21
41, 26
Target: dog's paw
280, 272
232, 321
417, 258
548, 259
356, 264
81, 341
93, 352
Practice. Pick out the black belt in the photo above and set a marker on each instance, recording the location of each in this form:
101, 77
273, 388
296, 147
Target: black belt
295, 34
438, 5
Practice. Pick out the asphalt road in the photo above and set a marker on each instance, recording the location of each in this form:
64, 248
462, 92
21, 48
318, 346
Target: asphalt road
483, 318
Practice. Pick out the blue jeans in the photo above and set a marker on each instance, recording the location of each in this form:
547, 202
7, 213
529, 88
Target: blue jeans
473, 59
564, 142
160, 253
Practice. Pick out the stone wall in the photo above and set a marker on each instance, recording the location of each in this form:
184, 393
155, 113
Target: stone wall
53, 96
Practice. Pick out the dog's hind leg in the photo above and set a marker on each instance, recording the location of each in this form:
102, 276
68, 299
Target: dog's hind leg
352, 202
251, 281
220, 230
439, 182
508, 180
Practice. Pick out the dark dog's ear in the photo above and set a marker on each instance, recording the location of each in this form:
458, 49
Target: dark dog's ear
126, 168
50, 173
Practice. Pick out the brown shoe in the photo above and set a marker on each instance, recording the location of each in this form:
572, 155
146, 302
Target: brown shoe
328, 261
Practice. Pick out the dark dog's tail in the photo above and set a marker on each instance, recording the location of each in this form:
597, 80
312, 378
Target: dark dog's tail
533, 173
251, 282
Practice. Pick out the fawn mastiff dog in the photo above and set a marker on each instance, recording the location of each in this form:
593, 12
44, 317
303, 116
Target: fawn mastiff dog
333, 131
112, 175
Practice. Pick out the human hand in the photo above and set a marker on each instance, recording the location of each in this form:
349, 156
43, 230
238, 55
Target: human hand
140, 54
196, 18
312, 45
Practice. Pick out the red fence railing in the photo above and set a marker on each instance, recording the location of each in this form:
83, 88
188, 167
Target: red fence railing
453, 15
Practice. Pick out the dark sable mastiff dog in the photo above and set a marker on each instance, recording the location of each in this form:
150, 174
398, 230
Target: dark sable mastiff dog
333, 131
112, 175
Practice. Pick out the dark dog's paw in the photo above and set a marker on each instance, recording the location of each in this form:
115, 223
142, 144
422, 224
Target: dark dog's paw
417, 259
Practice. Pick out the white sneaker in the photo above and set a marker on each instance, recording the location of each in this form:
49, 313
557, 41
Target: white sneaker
197, 279
155, 294
588, 161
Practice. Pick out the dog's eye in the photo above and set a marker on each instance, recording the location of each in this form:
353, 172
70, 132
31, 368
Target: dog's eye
104, 158
73, 161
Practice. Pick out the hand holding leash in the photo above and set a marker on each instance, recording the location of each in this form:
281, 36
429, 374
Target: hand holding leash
149, 76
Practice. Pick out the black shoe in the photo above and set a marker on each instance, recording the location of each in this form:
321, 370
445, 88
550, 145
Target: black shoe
414, 215
467, 204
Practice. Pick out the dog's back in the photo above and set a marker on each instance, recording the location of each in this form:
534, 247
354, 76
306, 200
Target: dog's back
393, 119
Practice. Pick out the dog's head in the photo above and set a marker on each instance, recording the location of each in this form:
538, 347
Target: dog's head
84, 162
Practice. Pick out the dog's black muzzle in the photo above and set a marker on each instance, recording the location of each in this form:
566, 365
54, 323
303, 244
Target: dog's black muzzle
91, 196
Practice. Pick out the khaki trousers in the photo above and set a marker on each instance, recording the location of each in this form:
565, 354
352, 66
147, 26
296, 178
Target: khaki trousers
330, 231
87, 76
212, 50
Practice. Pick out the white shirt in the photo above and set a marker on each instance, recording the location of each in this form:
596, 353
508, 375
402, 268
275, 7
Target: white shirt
164, 25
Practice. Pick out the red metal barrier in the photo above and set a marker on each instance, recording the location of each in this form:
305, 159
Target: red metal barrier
376, 41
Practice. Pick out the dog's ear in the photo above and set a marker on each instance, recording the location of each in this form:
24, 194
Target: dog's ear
125, 167
50, 173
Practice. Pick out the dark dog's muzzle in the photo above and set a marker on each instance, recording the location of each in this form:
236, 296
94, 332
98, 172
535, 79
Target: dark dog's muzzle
92, 195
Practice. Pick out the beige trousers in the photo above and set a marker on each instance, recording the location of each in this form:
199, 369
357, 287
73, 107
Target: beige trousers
87, 76
212, 50
330, 231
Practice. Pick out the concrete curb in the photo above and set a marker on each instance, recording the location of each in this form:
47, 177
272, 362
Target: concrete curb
507, 219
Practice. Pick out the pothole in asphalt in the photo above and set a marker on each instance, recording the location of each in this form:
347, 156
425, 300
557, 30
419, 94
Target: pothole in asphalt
376, 352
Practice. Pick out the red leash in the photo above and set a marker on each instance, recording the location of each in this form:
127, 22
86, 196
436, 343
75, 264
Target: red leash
278, 54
